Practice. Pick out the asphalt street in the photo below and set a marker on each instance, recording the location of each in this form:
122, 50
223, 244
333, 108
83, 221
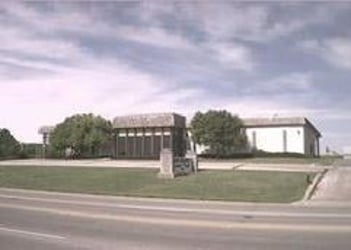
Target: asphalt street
44, 220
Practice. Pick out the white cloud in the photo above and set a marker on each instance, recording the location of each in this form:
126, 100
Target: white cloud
224, 21
59, 17
34, 46
296, 81
153, 36
108, 89
84, 83
336, 51
66, 19
288, 84
41, 40
232, 55
68, 79
31, 64
253, 22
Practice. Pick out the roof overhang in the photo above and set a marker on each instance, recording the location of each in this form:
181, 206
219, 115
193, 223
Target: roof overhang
279, 122
149, 121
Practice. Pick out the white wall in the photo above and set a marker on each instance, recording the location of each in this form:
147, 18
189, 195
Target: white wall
347, 152
270, 139
199, 149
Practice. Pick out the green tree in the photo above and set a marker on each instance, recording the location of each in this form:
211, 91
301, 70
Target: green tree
220, 131
84, 134
9, 146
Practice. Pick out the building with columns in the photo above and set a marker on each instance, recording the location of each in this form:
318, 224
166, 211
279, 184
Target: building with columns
283, 135
145, 135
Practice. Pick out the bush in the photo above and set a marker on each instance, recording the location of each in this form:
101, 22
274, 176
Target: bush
84, 135
220, 131
254, 154
31, 150
261, 153
227, 156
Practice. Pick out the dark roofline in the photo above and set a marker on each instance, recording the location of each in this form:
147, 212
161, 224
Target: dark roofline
149, 120
319, 134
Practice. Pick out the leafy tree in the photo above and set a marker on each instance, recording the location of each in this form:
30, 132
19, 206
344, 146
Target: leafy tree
83, 134
9, 146
219, 130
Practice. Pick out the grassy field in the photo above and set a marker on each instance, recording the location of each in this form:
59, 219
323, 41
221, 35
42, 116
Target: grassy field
226, 185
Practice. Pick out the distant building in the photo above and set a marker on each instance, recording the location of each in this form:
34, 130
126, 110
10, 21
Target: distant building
145, 135
45, 131
346, 151
283, 135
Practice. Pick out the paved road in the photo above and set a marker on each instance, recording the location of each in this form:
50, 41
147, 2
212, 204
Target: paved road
42, 220
336, 184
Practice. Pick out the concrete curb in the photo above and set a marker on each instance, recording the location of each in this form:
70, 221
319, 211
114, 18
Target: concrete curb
312, 187
237, 166
145, 199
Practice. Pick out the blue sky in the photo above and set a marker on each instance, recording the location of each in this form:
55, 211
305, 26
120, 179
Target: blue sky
112, 58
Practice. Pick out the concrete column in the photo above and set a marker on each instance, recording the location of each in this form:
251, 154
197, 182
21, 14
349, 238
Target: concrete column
135, 143
44, 144
116, 143
167, 164
162, 139
152, 150
126, 143
171, 139
143, 143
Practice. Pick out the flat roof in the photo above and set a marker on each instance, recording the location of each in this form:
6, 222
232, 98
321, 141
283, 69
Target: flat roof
149, 120
278, 121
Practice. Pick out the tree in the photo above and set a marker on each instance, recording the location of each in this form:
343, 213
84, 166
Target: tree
219, 130
83, 134
9, 146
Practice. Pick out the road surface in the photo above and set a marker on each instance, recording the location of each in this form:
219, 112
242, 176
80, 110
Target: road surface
56, 221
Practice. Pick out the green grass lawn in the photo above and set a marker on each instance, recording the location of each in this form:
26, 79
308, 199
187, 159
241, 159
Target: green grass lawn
228, 185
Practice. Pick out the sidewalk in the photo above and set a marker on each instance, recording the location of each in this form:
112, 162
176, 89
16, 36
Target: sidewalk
206, 165
104, 163
335, 186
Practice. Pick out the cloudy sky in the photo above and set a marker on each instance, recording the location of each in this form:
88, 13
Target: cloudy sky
113, 58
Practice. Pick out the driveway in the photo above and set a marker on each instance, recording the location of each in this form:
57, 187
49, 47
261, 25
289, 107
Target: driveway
336, 184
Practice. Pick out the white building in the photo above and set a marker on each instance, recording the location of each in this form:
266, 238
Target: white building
283, 135
279, 135
347, 152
